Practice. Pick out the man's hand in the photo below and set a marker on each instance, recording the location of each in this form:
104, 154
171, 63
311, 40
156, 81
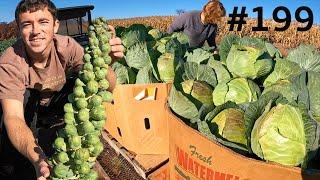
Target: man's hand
42, 169
116, 45
21, 136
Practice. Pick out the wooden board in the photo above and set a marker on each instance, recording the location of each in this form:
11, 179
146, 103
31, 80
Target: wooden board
144, 165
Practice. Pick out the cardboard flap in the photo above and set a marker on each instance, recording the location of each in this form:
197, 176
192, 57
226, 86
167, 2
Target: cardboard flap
148, 93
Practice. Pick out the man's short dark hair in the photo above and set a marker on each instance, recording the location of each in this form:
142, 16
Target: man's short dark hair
35, 5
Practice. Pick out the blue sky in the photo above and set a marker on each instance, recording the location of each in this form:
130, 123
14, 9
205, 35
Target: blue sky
132, 8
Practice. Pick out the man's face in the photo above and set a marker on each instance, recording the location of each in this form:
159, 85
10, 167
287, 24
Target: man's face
37, 30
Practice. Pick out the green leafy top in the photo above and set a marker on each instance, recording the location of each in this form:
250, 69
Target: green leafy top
306, 56
198, 56
134, 34
138, 56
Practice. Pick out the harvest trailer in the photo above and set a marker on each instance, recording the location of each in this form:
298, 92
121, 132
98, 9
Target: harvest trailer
74, 22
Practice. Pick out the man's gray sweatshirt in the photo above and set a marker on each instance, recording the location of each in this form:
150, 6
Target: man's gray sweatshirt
190, 23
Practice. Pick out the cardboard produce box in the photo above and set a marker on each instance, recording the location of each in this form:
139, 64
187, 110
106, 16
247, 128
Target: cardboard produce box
162, 173
193, 156
138, 119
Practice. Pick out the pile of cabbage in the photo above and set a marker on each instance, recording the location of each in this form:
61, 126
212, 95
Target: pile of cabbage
252, 99
78, 143
151, 56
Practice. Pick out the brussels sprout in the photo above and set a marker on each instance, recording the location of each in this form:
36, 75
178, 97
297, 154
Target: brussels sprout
85, 128
92, 34
103, 20
81, 155
107, 59
68, 108
101, 30
98, 114
87, 48
105, 66
83, 115
70, 130
95, 132
92, 87
96, 69
87, 58
95, 100
105, 48
106, 96
98, 148
96, 52
99, 62
87, 76
92, 175
59, 144
97, 22
81, 103
78, 92
88, 66
61, 157
79, 82
92, 43
103, 84
92, 161
105, 40
99, 124
69, 118
60, 171
83, 168
91, 139
105, 69
95, 42
103, 37
100, 74
74, 142
91, 28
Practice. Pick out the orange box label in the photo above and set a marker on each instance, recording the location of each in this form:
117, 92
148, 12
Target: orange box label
192, 161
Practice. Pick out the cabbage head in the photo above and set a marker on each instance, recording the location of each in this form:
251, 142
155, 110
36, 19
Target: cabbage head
155, 33
238, 90
278, 135
229, 124
285, 88
166, 63
248, 62
199, 90
314, 95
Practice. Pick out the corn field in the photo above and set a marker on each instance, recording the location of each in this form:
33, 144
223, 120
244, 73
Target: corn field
287, 39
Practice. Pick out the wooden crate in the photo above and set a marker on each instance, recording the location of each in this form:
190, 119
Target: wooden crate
119, 163
102, 175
